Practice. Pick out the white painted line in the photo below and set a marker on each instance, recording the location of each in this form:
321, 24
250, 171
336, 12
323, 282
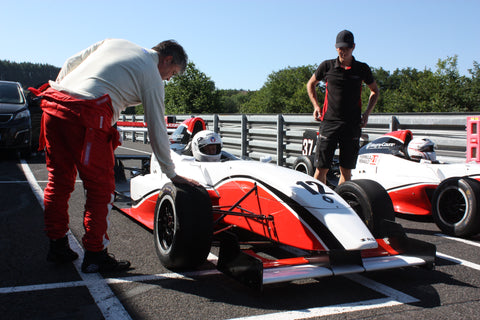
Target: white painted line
383, 289
164, 276
469, 242
106, 301
394, 298
150, 277
326, 311
90, 281
459, 261
37, 191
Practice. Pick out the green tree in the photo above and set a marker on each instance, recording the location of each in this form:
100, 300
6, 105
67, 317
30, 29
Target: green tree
284, 91
191, 93
444, 90
28, 74
232, 100
473, 88
406, 91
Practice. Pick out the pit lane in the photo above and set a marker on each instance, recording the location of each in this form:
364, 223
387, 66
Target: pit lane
31, 288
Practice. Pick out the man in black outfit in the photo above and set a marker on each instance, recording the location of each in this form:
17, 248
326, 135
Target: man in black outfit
341, 116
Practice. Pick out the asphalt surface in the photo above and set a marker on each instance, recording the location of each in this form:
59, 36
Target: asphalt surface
32, 288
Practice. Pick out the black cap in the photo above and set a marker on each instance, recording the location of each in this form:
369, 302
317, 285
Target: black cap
344, 39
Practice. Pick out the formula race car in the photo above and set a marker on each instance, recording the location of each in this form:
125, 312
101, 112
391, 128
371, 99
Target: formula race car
416, 181
419, 184
272, 224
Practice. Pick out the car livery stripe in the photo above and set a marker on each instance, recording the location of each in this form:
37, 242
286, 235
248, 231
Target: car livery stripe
411, 185
136, 203
328, 240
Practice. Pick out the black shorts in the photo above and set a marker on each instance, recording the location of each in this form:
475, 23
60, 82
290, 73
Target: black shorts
333, 133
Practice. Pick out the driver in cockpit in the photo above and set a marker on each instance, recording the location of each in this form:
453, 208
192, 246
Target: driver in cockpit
421, 148
207, 146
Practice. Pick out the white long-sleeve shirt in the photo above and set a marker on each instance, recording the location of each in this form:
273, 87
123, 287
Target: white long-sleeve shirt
129, 74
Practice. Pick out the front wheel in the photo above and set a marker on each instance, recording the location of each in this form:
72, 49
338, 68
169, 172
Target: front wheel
456, 206
183, 226
304, 164
370, 201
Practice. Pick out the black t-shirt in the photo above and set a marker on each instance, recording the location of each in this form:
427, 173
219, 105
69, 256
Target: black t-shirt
344, 88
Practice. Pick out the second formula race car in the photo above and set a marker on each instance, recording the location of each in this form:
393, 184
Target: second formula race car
417, 183
421, 185
271, 224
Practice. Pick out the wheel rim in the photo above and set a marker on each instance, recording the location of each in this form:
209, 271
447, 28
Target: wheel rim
301, 167
452, 205
165, 225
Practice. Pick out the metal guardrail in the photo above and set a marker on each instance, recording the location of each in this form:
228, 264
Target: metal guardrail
280, 136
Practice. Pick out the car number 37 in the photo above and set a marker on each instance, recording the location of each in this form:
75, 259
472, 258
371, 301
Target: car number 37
307, 146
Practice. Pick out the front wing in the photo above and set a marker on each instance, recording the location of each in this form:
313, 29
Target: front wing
256, 270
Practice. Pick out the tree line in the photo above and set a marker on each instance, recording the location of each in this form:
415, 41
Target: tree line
28, 74
284, 91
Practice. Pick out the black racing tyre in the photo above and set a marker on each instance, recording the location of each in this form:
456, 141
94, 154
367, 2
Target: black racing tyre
304, 164
456, 206
183, 226
370, 201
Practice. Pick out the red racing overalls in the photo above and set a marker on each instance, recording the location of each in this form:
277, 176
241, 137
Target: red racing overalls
77, 134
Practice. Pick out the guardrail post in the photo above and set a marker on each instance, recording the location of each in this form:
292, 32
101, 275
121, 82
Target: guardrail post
280, 123
145, 137
134, 133
216, 123
394, 124
244, 143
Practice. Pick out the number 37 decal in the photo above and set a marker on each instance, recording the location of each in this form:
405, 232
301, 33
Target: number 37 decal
316, 188
307, 146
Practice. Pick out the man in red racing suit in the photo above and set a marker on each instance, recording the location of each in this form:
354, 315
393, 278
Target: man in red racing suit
80, 107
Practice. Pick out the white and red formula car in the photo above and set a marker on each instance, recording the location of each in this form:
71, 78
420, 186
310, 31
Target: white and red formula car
272, 224
448, 191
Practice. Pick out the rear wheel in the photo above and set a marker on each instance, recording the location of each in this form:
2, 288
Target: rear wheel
370, 201
456, 206
183, 226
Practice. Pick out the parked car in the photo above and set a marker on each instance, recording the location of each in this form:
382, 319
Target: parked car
35, 118
15, 122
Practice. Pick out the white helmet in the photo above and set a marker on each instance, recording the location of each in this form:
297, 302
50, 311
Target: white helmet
421, 148
201, 143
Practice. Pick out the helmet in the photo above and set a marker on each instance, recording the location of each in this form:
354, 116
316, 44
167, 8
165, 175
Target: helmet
201, 143
421, 148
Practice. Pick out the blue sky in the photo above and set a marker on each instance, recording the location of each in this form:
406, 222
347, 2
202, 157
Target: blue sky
238, 43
